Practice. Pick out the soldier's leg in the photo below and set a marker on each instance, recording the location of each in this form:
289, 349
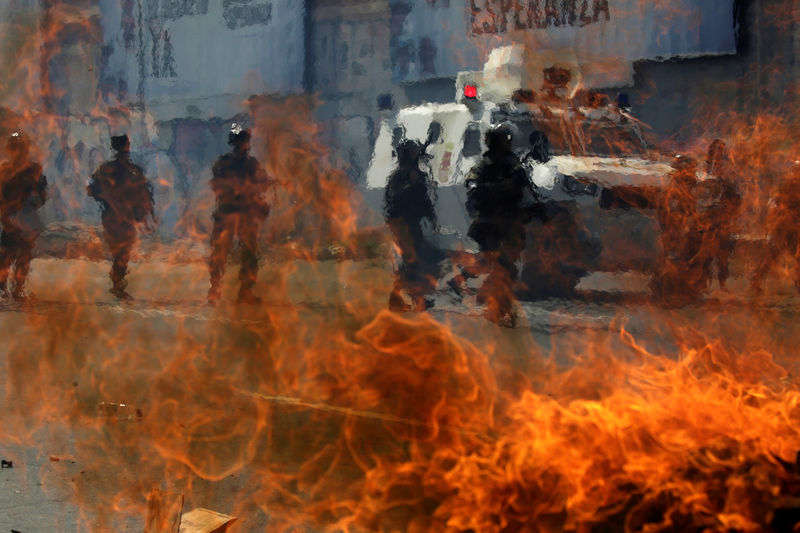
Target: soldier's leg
423, 269
505, 276
727, 247
221, 244
486, 235
248, 272
22, 265
772, 253
405, 272
120, 237
7, 255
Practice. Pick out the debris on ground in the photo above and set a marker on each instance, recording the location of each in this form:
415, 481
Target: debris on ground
119, 411
202, 520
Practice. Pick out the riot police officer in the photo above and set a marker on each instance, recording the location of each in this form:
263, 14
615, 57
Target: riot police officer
408, 204
501, 200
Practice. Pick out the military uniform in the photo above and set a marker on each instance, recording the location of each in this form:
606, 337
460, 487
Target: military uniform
719, 205
409, 199
126, 200
239, 184
783, 226
681, 276
501, 200
24, 191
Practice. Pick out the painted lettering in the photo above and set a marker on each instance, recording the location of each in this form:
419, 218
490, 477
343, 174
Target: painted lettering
535, 15
519, 17
501, 16
585, 18
552, 13
601, 6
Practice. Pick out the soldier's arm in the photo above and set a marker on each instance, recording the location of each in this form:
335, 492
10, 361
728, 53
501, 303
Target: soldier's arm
41, 187
474, 192
260, 177
629, 196
95, 188
264, 183
216, 178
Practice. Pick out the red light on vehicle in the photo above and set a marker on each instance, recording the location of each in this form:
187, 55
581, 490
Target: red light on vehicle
470, 91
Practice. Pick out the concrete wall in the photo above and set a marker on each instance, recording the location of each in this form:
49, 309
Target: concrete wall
171, 74
675, 96
348, 67
435, 38
200, 58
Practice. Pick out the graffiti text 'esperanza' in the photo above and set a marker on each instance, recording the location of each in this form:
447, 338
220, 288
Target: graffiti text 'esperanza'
500, 16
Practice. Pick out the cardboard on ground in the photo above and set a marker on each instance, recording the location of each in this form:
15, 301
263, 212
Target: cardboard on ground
204, 521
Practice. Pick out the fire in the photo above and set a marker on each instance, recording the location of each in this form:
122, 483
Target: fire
321, 410
402, 424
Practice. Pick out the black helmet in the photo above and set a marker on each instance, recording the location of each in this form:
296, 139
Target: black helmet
498, 138
409, 151
238, 134
120, 143
16, 142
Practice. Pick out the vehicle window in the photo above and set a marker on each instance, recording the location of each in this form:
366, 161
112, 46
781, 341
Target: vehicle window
472, 141
434, 132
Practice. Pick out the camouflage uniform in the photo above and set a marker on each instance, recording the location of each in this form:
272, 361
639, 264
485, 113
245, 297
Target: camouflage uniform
126, 200
239, 184
719, 205
783, 226
681, 275
24, 191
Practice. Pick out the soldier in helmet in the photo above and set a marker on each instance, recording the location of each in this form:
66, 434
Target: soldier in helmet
501, 200
783, 227
126, 202
719, 205
681, 275
408, 204
240, 185
24, 191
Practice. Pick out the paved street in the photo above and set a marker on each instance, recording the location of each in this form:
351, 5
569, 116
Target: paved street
185, 372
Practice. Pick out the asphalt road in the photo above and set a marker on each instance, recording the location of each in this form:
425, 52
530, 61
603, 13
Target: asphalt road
78, 468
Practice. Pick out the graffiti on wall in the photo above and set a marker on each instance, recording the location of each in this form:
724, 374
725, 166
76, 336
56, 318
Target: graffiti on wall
175, 9
241, 13
501, 16
162, 60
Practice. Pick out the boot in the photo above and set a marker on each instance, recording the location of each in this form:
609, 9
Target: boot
246, 296
19, 295
213, 295
121, 294
118, 290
